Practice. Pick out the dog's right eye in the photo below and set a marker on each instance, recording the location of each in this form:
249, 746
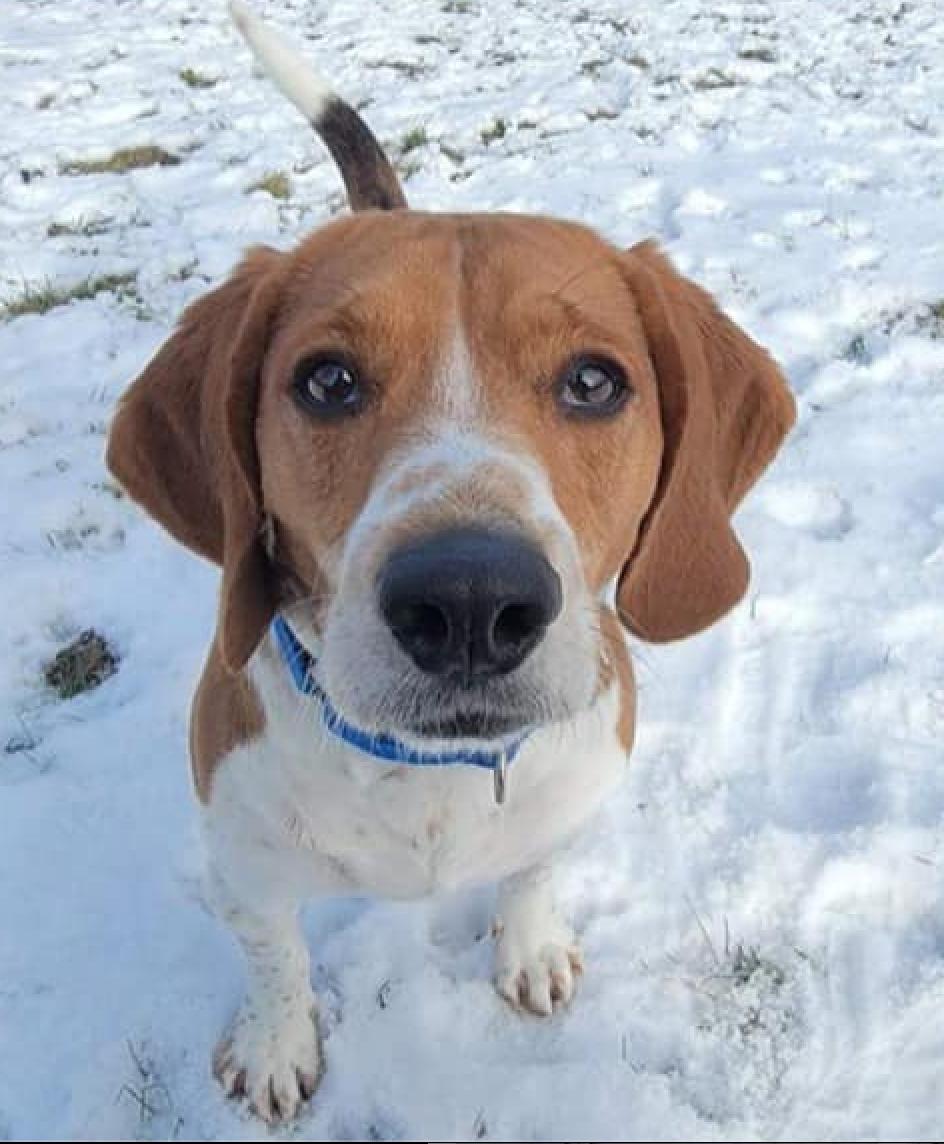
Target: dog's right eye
328, 387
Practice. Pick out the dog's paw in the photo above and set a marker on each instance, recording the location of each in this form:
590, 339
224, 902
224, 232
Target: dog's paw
535, 968
276, 1064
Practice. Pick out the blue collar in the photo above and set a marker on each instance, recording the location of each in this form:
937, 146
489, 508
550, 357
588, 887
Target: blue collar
387, 748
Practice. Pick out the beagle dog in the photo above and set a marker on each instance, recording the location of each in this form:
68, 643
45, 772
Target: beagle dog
442, 461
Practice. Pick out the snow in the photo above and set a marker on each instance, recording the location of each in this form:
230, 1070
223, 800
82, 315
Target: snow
762, 910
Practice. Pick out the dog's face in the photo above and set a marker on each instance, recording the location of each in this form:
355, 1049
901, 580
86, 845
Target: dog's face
438, 441
458, 436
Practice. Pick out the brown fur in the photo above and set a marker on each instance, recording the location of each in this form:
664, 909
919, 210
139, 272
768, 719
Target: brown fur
226, 713
182, 442
725, 411
616, 661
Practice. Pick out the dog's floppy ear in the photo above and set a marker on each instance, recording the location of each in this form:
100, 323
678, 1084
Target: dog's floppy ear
183, 442
725, 410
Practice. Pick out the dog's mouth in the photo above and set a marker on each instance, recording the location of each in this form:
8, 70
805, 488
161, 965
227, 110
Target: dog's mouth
483, 725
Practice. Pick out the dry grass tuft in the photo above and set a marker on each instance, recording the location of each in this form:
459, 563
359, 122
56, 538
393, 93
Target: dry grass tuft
121, 161
275, 183
39, 298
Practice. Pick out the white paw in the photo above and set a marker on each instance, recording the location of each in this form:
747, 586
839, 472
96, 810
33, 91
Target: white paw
535, 968
275, 1062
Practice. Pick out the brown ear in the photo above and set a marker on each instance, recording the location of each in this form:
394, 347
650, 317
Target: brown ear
725, 410
183, 442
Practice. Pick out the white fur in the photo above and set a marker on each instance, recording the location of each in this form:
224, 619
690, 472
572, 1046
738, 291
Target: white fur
298, 813
456, 390
536, 953
283, 62
271, 1051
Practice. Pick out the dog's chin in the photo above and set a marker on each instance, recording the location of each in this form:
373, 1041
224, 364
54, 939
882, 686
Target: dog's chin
485, 726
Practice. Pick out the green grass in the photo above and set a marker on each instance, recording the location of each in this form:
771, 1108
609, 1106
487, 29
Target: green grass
81, 665
85, 227
45, 296
714, 79
121, 161
452, 153
497, 129
194, 78
414, 138
933, 323
275, 183
762, 54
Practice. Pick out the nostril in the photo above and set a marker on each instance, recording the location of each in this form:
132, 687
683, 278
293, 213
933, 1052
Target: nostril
421, 628
516, 625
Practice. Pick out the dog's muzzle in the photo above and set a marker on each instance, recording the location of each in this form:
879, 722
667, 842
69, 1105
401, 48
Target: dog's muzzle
468, 604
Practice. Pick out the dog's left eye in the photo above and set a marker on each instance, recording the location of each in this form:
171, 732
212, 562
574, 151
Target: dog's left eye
328, 387
593, 386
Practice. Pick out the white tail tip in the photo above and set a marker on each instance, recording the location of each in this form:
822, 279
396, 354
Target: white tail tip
283, 62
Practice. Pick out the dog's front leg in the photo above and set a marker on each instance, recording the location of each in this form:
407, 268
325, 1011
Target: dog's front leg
271, 1052
536, 953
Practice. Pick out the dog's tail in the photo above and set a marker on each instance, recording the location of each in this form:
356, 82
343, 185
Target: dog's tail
370, 179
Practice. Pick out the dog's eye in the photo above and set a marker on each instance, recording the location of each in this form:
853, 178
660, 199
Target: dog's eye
593, 386
328, 387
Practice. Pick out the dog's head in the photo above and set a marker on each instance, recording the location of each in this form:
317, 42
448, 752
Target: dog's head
438, 442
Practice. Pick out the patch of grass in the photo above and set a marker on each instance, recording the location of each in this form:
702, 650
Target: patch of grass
601, 113
109, 488
415, 137
762, 54
45, 296
932, 321
275, 183
121, 161
856, 351
746, 962
184, 272
452, 153
194, 78
45, 101
714, 79
497, 129
81, 665
86, 227
636, 60
409, 69
594, 67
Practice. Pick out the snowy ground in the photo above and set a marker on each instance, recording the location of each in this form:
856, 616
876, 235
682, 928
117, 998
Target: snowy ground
763, 910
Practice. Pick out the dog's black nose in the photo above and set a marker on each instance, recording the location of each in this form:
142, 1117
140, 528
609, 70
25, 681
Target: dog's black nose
469, 602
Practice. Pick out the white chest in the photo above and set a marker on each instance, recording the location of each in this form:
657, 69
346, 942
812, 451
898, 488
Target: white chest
305, 812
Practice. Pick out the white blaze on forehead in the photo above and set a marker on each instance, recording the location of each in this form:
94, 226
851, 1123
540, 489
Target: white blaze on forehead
457, 393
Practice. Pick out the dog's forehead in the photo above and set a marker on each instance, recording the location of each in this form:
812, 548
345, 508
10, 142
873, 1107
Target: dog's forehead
462, 260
